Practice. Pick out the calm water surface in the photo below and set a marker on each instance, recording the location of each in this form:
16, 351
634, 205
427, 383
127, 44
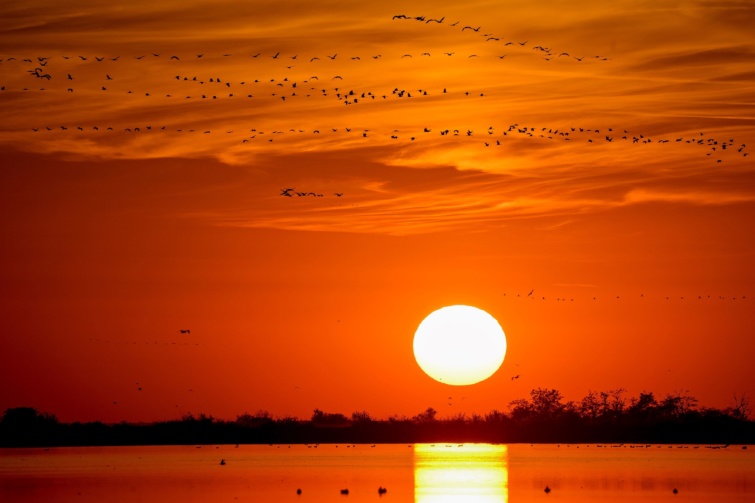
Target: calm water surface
426, 473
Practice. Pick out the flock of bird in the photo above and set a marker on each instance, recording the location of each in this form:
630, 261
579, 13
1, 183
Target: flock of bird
694, 297
290, 192
546, 52
250, 87
286, 88
40, 68
70, 70
716, 148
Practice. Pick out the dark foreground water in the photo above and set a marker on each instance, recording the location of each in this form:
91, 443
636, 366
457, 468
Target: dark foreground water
437, 473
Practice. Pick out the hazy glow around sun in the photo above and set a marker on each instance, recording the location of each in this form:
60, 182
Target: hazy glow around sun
459, 345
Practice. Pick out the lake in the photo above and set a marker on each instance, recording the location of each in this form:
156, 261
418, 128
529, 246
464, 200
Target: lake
426, 473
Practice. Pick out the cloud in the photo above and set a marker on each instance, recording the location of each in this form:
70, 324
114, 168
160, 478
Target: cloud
548, 134
637, 196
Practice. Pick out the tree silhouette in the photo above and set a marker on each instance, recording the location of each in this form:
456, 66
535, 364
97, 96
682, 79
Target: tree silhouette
428, 416
598, 417
741, 407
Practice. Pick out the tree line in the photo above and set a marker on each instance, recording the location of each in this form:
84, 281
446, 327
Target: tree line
544, 417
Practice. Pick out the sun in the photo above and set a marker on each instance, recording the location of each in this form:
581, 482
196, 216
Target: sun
459, 345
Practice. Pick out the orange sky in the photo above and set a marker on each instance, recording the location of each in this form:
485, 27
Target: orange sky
131, 207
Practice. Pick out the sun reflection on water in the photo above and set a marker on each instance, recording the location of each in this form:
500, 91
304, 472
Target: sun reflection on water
473, 473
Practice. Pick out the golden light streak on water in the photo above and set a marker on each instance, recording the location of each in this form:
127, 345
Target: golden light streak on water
472, 473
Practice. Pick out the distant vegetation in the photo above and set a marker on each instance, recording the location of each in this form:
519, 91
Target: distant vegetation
607, 417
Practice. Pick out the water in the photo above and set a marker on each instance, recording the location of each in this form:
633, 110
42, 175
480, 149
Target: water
437, 473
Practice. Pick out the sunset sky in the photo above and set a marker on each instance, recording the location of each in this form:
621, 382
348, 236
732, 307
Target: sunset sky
600, 154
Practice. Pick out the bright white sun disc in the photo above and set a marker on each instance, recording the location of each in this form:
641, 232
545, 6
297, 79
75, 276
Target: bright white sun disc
459, 345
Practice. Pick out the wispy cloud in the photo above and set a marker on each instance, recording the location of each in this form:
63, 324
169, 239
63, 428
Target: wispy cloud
560, 117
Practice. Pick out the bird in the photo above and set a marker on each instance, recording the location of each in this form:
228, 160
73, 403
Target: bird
344, 491
515, 377
531, 292
547, 489
185, 331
